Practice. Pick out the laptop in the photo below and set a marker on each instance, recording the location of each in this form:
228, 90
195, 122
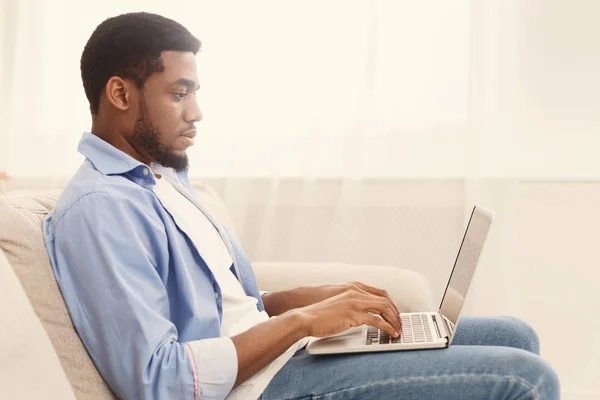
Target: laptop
421, 330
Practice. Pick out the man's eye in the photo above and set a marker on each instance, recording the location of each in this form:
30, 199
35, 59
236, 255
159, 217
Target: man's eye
180, 96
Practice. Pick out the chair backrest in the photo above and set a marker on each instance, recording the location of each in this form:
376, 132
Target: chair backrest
25, 349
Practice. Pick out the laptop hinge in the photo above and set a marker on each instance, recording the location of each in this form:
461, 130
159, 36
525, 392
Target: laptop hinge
450, 328
441, 326
441, 330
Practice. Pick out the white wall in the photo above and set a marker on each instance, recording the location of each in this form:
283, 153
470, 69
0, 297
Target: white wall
536, 88
542, 265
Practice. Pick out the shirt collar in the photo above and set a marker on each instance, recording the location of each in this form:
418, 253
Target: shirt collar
111, 161
106, 158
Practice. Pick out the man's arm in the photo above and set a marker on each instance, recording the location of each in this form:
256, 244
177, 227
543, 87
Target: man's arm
279, 302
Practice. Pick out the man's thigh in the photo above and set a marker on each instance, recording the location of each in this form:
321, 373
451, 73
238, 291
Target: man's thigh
458, 372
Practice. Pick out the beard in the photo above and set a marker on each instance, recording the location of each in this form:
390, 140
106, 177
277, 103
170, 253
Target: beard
146, 136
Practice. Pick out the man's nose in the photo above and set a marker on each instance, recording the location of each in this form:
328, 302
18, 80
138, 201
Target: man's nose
193, 114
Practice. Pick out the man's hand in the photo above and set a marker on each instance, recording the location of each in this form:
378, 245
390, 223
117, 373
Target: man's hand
317, 294
277, 303
347, 310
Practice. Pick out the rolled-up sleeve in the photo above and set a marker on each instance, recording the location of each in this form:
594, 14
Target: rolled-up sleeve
105, 252
213, 359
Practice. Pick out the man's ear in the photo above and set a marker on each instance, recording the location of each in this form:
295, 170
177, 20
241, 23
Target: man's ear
119, 92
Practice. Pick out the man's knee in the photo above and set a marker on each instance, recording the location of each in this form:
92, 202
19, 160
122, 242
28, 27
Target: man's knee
530, 376
521, 334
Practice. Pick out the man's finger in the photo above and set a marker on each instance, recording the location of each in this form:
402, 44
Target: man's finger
377, 292
383, 308
378, 323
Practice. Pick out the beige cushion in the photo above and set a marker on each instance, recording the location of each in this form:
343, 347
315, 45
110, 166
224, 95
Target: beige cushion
408, 289
29, 366
22, 242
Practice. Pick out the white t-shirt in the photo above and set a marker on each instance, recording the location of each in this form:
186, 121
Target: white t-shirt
239, 310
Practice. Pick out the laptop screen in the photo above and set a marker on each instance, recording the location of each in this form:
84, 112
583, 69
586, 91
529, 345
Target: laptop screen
466, 261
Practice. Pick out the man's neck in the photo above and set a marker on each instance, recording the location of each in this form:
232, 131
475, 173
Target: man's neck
114, 137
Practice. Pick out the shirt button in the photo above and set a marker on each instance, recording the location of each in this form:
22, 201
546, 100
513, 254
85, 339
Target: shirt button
216, 295
145, 171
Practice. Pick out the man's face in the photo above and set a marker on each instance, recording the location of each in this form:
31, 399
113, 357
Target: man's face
164, 128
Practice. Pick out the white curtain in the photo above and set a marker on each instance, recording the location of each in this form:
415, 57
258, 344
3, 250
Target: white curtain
364, 132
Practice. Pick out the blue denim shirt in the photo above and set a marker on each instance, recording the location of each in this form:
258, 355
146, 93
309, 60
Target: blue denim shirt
140, 295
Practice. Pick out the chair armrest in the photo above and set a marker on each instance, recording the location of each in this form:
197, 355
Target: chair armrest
410, 290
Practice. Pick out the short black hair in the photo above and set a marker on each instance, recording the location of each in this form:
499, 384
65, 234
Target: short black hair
129, 46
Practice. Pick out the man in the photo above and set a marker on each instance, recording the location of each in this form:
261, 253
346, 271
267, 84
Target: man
165, 300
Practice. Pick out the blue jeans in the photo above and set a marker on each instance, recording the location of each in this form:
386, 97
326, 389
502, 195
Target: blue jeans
490, 358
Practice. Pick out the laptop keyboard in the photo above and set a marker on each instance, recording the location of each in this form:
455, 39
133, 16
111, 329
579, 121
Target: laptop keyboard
415, 329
